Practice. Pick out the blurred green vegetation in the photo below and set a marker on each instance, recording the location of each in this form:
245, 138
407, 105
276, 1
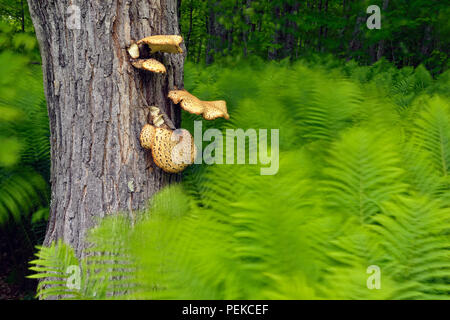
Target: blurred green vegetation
24, 131
364, 161
363, 180
24, 152
413, 32
15, 14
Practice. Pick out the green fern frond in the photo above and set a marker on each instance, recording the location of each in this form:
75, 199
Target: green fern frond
108, 265
362, 182
431, 134
21, 193
413, 231
364, 170
331, 107
51, 268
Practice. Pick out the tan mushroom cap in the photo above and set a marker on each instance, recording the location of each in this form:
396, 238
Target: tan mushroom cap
149, 65
209, 109
169, 150
147, 136
163, 43
133, 50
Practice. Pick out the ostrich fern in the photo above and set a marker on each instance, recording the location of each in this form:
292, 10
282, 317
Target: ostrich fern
363, 181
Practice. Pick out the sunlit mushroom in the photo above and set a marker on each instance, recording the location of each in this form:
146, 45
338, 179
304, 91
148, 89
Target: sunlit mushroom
209, 109
160, 119
163, 43
159, 43
154, 111
172, 151
133, 50
147, 136
149, 65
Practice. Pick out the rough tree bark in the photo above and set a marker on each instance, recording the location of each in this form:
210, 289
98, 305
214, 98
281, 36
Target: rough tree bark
96, 108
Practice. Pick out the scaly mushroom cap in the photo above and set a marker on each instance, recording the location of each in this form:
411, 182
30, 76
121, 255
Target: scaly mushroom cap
147, 136
171, 152
209, 109
163, 43
215, 109
150, 65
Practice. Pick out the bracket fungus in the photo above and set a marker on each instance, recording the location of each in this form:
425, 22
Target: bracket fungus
149, 65
209, 109
160, 43
160, 119
172, 151
133, 51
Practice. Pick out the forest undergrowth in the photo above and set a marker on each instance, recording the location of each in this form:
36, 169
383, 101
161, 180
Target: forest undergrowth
363, 181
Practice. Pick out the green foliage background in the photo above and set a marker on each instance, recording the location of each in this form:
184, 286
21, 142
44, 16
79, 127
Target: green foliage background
363, 180
24, 150
413, 32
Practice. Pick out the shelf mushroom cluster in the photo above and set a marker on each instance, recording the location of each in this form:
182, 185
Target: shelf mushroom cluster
169, 44
172, 151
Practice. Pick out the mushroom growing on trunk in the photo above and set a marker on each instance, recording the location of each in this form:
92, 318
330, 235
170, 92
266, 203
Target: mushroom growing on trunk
172, 151
160, 43
210, 110
149, 65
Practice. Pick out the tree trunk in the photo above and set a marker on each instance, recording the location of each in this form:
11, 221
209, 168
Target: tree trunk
355, 43
324, 31
319, 43
216, 33
343, 31
209, 58
22, 16
96, 108
188, 40
381, 43
285, 35
273, 53
427, 41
